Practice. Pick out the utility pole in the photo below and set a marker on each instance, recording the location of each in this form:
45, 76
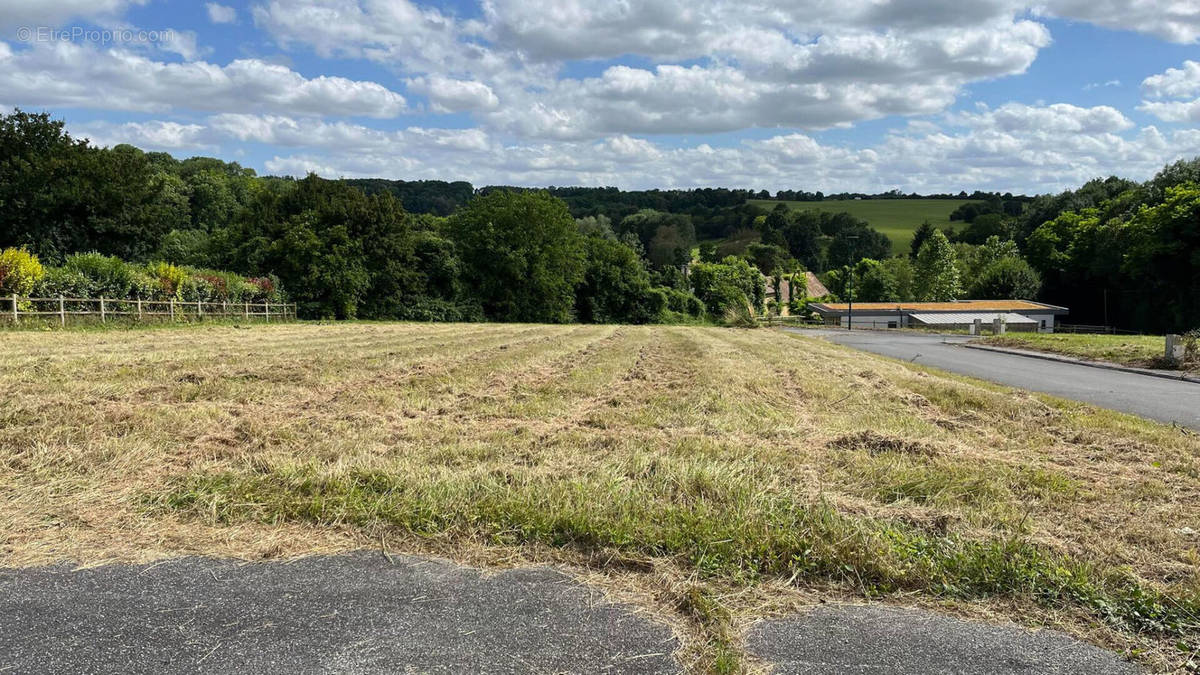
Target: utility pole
850, 283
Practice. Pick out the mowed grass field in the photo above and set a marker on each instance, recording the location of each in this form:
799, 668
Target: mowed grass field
897, 218
712, 476
1144, 351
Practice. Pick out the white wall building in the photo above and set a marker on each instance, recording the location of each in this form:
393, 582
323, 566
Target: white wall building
1017, 315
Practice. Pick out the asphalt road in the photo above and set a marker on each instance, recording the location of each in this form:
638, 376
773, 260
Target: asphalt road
364, 613
356, 613
872, 639
1152, 397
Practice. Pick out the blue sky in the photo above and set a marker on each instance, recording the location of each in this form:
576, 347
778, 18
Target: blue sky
870, 95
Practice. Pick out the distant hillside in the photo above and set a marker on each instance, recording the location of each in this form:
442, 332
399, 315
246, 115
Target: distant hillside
897, 218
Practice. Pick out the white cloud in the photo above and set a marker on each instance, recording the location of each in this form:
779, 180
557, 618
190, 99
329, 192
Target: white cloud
1173, 20
1174, 82
1182, 84
449, 95
1173, 111
220, 13
153, 135
55, 12
1029, 149
83, 76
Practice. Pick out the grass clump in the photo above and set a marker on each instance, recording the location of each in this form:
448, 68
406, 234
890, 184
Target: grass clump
733, 531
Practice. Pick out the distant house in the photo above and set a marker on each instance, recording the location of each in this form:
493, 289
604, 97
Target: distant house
813, 289
1018, 315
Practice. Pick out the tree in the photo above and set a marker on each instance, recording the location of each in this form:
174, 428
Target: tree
770, 260
936, 274
874, 282
1007, 278
668, 238
856, 242
523, 255
900, 269
802, 233
920, 236
729, 284
616, 286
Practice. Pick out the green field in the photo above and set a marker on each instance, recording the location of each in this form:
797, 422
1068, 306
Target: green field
897, 218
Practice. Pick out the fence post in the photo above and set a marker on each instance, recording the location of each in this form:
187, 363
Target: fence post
62, 311
224, 309
1175, 348
103, 319
199, 310
172, 309
267, 310
139, 310
246, 310
16, 320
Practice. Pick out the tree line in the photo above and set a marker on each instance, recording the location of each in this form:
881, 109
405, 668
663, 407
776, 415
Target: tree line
1113, 251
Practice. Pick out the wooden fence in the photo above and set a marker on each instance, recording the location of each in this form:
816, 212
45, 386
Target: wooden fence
106, 309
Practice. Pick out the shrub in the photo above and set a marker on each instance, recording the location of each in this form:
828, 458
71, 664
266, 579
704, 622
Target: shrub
20, 271
436, 309
682, 302
107, 276
62, 281
168, 277
197, 289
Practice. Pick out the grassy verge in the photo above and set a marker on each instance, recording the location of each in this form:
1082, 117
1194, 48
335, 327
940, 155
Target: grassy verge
712, 475
1141, 351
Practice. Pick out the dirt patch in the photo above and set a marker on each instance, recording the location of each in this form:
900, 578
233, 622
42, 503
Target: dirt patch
875, 443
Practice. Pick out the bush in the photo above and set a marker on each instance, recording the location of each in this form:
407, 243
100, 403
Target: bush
168, 278
62, 281
107, 276
19, 271
682, 302
436, 309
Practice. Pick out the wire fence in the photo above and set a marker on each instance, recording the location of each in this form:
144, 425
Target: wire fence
62, 309
1099, 330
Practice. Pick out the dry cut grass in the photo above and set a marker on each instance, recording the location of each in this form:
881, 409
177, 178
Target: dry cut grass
711, 475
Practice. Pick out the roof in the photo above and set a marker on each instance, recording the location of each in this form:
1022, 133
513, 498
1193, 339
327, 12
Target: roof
957, 306
945, 318
814, 288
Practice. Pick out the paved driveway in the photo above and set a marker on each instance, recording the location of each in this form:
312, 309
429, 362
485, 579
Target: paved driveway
1152, 397
364, 613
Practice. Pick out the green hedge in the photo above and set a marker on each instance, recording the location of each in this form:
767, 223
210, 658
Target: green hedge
92, 275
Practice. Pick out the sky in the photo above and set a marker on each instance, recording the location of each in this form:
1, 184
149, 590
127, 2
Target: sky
833, 95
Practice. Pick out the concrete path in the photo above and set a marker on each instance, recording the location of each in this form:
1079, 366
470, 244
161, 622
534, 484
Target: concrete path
874, 639
356, 613
1152, 397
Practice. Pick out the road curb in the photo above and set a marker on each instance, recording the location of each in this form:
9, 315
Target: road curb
1090, 364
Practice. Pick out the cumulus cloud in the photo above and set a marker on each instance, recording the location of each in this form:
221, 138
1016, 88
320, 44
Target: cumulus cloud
55, 12
1181, 84
449, 95
1031, 149
83, 76
1173, 20
220, 13
152, 135
1174, 82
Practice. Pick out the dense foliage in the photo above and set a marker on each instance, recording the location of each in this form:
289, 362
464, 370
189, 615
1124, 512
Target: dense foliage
94, 275
1113, 251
